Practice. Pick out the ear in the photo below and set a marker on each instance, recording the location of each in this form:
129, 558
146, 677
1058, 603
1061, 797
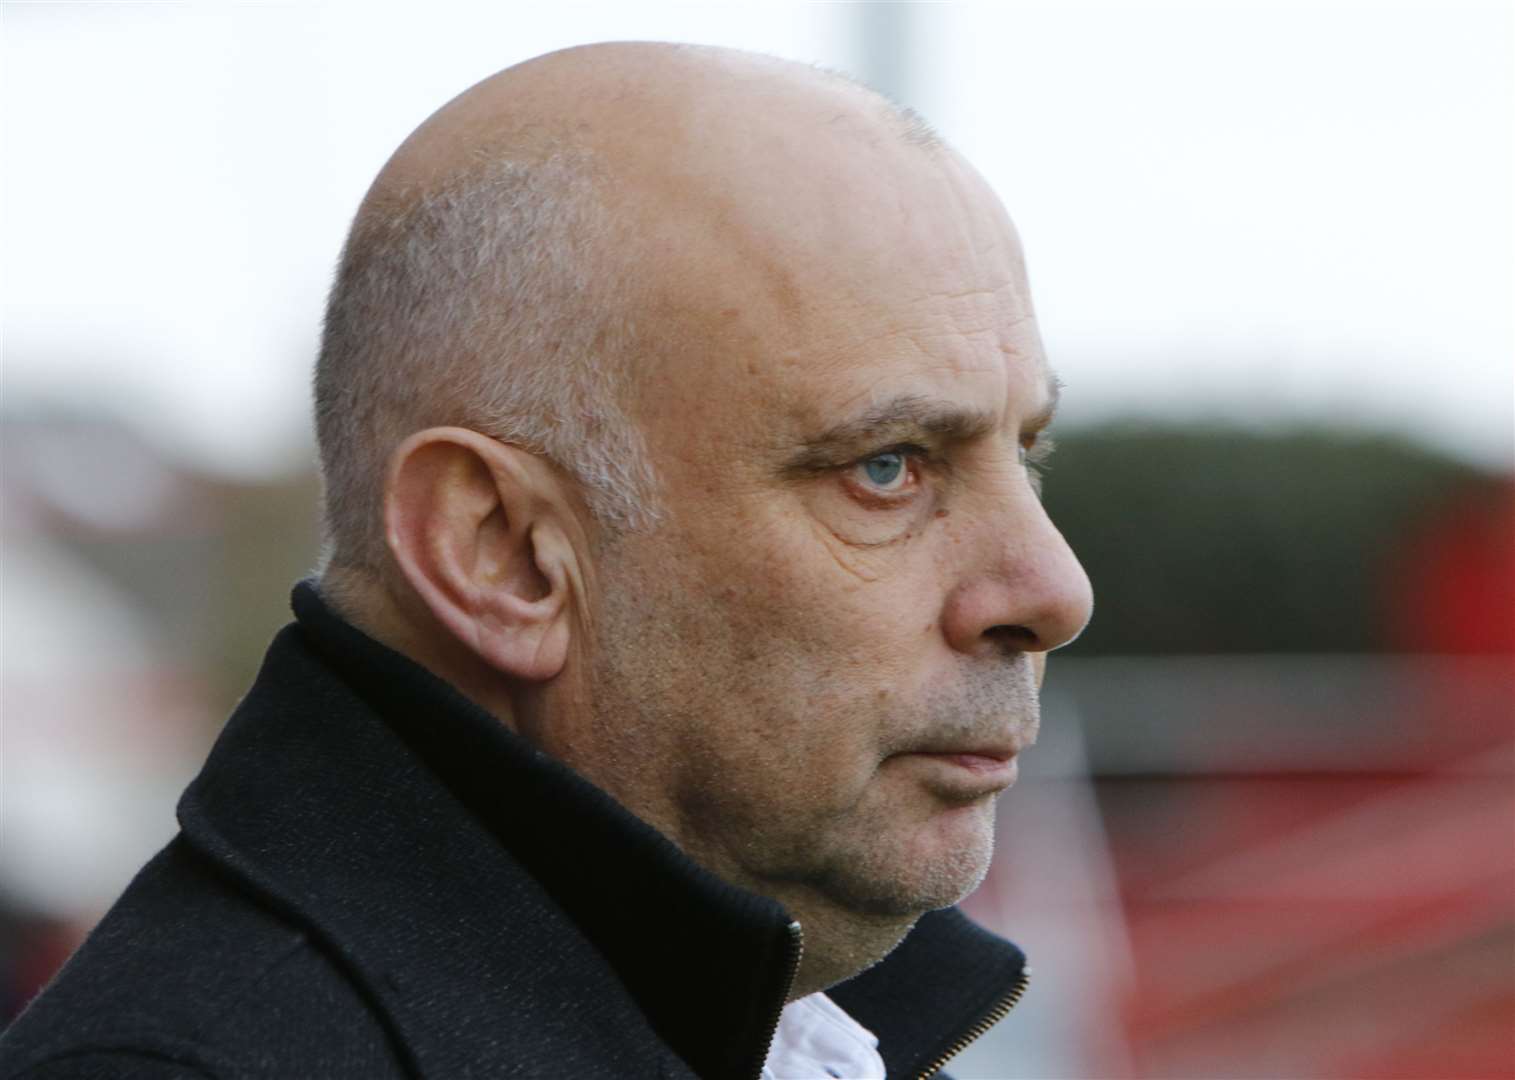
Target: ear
476, 528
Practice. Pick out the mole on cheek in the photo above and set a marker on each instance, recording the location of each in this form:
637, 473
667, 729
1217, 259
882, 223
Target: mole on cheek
943, 512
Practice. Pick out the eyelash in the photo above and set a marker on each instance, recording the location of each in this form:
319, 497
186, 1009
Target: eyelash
1037, 450
1033, 456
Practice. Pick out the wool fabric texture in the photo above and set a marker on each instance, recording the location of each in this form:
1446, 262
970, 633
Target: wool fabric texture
374, 878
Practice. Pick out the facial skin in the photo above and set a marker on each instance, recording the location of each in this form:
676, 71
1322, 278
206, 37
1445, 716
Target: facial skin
856, 566
814, 676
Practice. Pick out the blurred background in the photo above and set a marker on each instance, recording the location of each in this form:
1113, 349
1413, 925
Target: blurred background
1270, 829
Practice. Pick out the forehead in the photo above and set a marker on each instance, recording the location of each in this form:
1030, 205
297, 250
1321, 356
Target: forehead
888, 274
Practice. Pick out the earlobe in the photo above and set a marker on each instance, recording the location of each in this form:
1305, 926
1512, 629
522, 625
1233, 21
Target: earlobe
469, 521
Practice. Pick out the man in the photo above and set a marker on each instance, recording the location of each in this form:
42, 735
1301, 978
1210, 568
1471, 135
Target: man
685, 593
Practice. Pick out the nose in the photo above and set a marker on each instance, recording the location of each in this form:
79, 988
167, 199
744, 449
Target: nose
1019, 587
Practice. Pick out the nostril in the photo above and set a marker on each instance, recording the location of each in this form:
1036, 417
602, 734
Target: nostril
1016, 637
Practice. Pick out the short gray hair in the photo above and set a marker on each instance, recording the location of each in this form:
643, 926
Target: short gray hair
490, 303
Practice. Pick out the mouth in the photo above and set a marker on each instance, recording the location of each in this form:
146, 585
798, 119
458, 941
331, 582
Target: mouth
968, 773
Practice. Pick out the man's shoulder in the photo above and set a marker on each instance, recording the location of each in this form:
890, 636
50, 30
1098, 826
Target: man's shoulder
186, 976
334, 908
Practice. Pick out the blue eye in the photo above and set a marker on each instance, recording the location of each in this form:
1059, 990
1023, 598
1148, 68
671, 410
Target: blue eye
886, 470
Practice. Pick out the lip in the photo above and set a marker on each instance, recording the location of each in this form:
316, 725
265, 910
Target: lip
969, 773
978, 761
999, 748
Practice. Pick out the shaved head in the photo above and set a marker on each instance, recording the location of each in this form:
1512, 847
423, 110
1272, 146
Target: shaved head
512, 267
676, 405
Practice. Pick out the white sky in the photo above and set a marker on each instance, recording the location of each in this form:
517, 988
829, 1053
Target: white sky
1259, 210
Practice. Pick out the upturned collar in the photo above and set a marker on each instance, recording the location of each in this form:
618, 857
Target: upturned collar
430, 848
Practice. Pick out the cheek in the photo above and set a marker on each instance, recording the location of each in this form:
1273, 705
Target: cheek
841, 616
863, 534
866, 563
790, 766
801, 614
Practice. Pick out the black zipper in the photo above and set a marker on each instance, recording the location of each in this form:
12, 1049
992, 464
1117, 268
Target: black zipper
988, 1020
796, 953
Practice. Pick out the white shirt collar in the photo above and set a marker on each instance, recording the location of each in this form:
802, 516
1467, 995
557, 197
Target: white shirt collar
817, 1040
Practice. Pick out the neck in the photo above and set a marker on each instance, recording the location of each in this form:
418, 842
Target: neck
394, 616
838, 943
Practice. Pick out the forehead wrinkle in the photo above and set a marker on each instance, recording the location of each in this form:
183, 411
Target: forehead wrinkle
999, 307
917, 415
940, 415
993, 292
922, 340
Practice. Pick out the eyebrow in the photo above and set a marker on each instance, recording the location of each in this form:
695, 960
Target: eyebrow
912, 416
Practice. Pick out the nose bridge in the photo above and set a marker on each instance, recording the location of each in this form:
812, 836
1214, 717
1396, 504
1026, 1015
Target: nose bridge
1018, 581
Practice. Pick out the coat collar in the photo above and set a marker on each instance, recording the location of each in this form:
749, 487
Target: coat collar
432, 851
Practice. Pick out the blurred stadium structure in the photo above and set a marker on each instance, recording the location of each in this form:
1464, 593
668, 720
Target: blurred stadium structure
1269, 830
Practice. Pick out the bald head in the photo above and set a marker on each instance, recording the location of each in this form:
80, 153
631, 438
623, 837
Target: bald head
643, 109
703, 380
512, 266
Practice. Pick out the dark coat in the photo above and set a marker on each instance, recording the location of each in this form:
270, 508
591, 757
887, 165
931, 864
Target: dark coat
376, 879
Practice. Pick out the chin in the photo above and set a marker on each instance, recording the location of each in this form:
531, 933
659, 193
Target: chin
908, 900
934, 871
